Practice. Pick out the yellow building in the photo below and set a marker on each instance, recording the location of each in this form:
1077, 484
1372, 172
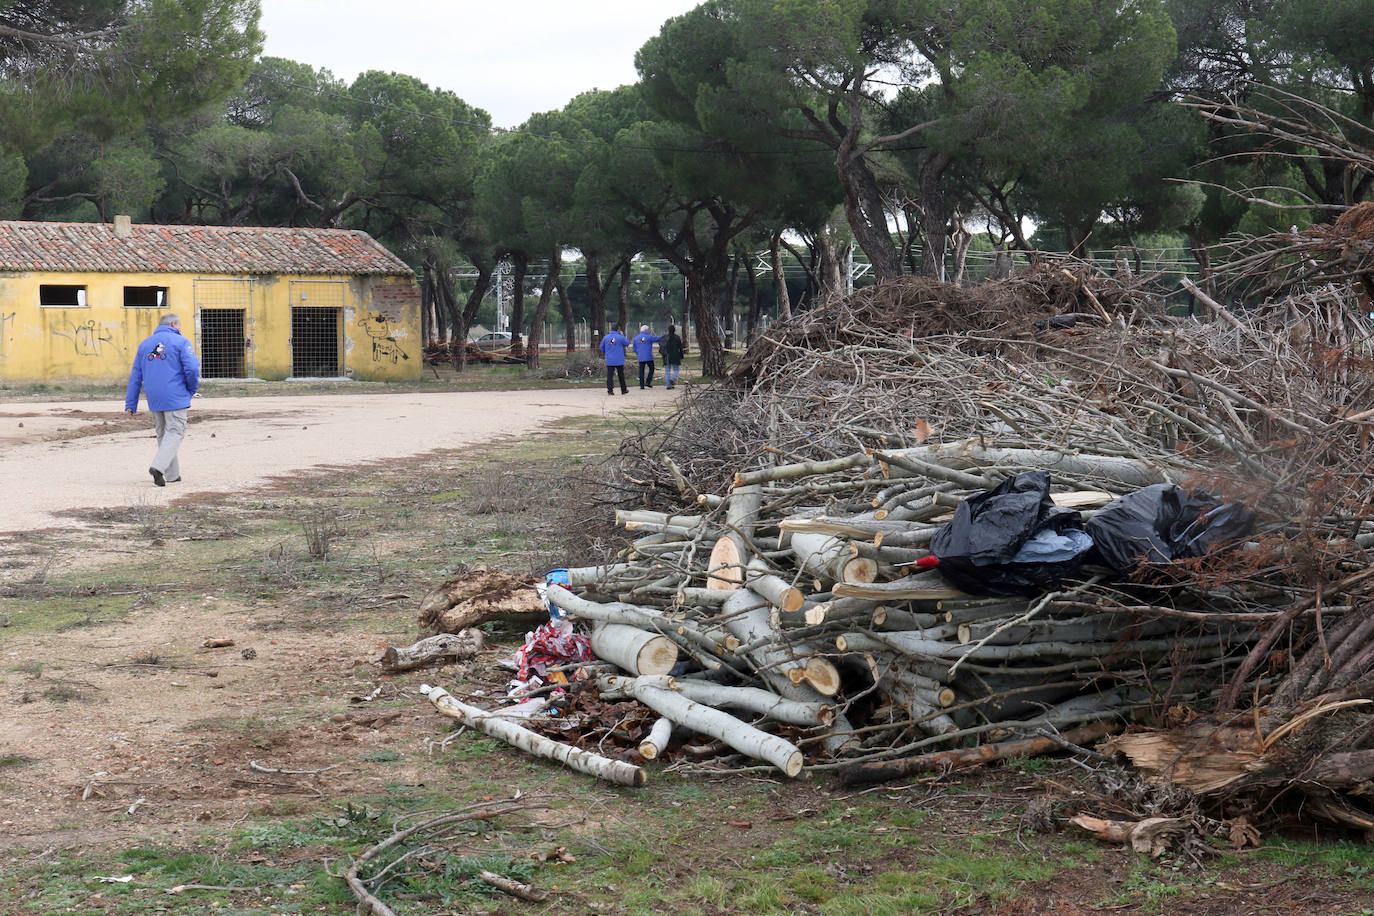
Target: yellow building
77, 298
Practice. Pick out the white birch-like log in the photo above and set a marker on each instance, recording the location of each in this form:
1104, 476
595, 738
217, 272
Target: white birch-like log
739, 735
922, 586
832, 559
648, 520
914, 645
616, 771
634, 650
633, 615
440, 647
775, 589
656, 742
593, 575
1127, 473
731, 552
800, 469
746, 617
723, 567
763, 702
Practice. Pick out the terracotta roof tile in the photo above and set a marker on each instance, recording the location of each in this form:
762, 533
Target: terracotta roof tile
93, 247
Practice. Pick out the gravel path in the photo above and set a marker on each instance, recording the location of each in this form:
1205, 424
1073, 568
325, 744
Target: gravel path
59, 456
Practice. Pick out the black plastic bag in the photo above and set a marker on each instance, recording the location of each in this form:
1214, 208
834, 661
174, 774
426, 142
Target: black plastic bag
1011, 540
1164, 522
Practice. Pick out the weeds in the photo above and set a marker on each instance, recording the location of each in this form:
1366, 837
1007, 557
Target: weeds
321, 527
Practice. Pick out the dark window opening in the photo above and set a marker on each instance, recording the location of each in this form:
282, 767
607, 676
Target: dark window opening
145, 297
61, 296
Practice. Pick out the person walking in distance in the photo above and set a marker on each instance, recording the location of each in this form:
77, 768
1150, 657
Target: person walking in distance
644, 351
167, 371
613, 348
671, 348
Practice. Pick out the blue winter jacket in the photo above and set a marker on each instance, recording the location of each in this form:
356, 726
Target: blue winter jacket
613, 345
167, 371
644, 346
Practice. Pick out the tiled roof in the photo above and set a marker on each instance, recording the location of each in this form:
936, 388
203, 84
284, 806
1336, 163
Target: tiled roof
94, 247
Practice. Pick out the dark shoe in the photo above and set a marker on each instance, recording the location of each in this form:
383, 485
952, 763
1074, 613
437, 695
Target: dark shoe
157, 477
178, 480
624, 391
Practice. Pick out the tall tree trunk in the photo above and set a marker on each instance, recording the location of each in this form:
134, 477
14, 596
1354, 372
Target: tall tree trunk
828, 273
784, 300
808, 267
622, 298
700, 285
1203, 255
963, 238
729, 296
863, 201
569, 330
933, 215
465, 318
520, 267
596, 300
541, 311
752, 329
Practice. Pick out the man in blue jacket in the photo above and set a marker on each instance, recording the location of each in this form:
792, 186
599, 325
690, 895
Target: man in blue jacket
613, 348
644, 350
167, 371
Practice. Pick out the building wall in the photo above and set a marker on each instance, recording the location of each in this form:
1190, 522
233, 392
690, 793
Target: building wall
94, 341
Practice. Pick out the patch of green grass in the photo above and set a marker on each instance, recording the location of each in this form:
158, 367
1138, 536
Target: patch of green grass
1351, 861
380, 757
15, 760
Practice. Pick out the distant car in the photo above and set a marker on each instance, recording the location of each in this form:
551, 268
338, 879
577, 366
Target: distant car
496, 340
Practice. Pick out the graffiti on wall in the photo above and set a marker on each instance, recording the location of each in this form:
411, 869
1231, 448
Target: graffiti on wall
378, 327
87, 338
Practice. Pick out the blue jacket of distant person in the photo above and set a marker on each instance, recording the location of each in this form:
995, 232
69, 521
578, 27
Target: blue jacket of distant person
166, 370
644, 346
613, 346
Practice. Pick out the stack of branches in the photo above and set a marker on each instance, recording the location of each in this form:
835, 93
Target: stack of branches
795, 506
1315, 138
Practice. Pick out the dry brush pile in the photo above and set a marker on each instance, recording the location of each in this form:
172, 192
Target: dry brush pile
788, 512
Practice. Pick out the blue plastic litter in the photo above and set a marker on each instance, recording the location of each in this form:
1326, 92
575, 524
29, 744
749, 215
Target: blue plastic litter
556, 577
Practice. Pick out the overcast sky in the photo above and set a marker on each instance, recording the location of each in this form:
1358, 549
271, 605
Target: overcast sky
509, 57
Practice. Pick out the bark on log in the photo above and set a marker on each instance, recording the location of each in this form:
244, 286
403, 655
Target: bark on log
832, 559
775, 589
634, 650
737, 734
480, 596
746, 617
753, 699
616, 771
517, 889
884, 770
1151, 835
446, 647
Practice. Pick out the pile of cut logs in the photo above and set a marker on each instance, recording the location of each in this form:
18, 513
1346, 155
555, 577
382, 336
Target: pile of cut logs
819, 625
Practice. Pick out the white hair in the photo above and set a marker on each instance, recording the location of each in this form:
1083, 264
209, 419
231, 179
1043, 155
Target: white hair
644, 327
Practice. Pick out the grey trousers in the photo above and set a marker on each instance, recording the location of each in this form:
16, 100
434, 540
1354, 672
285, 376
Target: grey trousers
170, 426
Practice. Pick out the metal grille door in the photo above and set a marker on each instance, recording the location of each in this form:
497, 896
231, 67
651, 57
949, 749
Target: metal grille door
224, 319
222, 343
316, 342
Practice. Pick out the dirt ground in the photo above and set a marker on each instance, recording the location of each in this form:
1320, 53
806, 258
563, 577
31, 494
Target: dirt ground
121, 727
137, 725
78, 455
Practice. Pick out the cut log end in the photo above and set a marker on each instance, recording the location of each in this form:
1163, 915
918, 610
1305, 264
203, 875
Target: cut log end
860, 571
723, 568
